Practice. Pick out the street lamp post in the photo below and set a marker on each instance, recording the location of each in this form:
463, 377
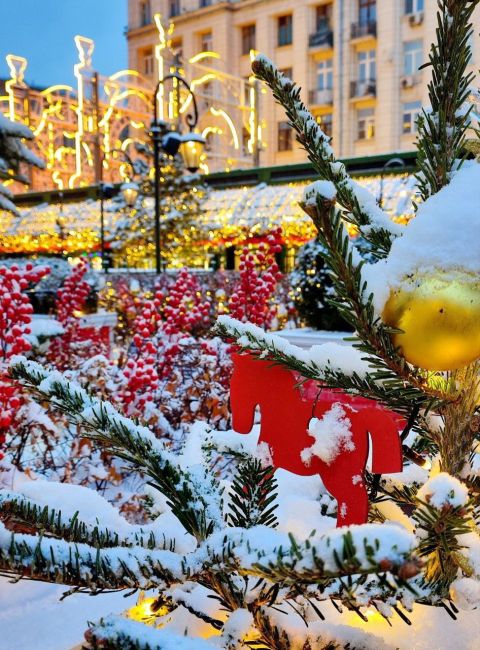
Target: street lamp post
393, 162
170, 142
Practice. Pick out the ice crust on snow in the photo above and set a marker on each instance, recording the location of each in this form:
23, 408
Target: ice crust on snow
332, 433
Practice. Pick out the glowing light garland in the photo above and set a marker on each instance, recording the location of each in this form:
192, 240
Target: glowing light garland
231, 216
67, 121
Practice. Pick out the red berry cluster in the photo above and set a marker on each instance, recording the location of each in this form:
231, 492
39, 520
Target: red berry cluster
185, 310
145, 325
259, 273
15, 318
71, 297
142, 382
140, 370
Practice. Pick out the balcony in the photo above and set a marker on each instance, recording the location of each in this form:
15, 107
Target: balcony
363, 89
323, 37
321, 97
364, 30
410, 81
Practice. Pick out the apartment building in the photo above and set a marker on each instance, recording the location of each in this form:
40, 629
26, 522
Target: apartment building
357, 61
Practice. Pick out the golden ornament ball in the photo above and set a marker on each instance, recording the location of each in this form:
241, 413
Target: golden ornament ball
439, 315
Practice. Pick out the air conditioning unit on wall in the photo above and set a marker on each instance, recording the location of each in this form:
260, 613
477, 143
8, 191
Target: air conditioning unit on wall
415, 19
408, 82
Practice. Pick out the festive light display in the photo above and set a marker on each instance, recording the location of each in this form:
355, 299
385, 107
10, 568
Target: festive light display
77, 129
233, 216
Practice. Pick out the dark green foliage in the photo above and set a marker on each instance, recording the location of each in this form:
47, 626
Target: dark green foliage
253, 496
441, 130
313, 288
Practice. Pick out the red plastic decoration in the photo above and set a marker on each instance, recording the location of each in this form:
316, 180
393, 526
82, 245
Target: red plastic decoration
286, 411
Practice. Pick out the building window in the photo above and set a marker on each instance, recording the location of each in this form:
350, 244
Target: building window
206, 42
325, 74
176, 45
288, 72
414, 6
174, 8
323, 16
367, 11
145, 13
148, 61
248, 38
411, 111
366, 64
412, 57
205, 3
284, 139
366, 124
326, 123
285, 30
245, 141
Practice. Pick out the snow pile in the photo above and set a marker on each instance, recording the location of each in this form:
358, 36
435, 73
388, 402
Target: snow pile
442, 237
465, 592
332, 433
443, 490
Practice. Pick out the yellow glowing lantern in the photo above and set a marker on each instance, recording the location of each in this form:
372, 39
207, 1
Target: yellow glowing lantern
191, 149
130, 193
439, 315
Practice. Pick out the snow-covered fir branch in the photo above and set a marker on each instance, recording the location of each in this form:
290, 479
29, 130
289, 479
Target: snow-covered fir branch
194, 494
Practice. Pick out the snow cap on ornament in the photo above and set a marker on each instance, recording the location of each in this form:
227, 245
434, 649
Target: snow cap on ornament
429, 285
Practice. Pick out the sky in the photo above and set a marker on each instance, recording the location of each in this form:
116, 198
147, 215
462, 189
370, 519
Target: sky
43, 32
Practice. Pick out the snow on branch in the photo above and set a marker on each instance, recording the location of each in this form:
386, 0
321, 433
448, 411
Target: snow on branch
361, 549
194, 494
79, 514
315, 363
81, 565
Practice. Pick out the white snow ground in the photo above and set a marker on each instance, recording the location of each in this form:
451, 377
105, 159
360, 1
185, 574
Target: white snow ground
33, 618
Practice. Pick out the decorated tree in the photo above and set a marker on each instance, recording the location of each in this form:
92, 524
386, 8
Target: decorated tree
220, 560
181, 196
313, 289
14, 153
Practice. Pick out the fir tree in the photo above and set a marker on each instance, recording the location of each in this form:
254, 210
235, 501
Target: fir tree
313, 289
181, 197
13, 154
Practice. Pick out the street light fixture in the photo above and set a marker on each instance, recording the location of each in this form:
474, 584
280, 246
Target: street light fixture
393, 162
130, 192
171, 142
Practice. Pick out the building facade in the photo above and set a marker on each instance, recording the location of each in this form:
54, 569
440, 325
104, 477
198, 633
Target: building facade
357, 62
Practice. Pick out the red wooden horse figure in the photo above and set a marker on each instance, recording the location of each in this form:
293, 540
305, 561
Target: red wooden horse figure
286, 411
